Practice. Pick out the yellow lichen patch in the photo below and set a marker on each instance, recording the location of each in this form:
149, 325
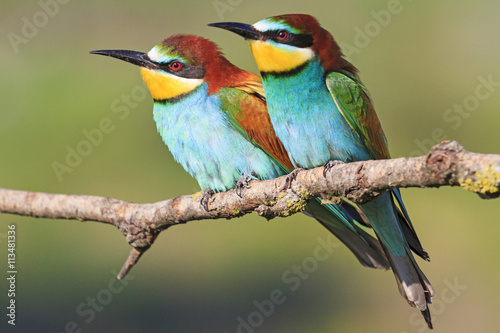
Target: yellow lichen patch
236, 211
304, 194
487, 182
285, 213
196, 195
270, 203
295, 206
327, 199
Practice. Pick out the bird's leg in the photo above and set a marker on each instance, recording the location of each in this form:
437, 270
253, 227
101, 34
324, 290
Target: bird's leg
205, 197
330, 164
242, 183
291, 177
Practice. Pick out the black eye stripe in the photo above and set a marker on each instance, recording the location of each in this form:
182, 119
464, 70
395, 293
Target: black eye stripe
186, 71
297, 40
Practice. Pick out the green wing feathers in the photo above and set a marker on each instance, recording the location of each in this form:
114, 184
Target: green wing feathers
354, 102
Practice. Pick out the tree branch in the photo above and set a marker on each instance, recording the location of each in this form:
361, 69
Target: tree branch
448, 163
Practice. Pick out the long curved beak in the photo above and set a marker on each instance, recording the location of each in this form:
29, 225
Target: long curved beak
242, 29
133, 57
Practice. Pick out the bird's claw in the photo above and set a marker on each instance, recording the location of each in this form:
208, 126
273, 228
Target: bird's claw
205, 198
291, 177
330, 164
241, 184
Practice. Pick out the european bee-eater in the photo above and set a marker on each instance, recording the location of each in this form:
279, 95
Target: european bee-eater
323, 113
213, 117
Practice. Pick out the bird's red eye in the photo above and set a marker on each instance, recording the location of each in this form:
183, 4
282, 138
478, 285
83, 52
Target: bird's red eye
176, 65
282, 34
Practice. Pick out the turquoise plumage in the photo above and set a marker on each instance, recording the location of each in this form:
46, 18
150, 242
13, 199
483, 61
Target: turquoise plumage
303, 113
213, 118
206, 145
322, 112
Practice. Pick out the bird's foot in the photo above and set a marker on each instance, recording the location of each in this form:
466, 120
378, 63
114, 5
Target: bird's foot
330, 164
241, 184
291, 177
205, 198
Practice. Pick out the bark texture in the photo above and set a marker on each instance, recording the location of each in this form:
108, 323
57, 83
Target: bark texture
448, 163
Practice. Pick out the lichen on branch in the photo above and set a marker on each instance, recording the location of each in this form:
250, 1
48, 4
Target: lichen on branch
447, 164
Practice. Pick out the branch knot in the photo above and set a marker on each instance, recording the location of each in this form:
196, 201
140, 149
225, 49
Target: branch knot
442, 159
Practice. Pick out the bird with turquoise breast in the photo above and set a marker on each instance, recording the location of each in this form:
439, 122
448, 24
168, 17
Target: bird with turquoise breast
213, 117
323, 114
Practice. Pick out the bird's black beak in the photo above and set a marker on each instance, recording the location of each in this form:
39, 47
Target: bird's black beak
134, 57
242, 29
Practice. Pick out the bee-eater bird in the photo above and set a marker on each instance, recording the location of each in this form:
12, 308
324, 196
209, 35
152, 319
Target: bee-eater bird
213, 117
323, 114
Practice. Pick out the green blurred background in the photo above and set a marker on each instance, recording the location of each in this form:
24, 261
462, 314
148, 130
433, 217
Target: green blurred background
203, 276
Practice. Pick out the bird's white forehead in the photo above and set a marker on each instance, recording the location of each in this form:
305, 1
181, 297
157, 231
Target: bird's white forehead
157, 54
269, 25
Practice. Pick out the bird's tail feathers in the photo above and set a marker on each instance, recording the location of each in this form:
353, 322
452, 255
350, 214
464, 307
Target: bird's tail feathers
412, 283
407, 227
365, 247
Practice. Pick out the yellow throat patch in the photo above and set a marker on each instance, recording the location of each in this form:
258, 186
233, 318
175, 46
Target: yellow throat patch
270, 58
165, 86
